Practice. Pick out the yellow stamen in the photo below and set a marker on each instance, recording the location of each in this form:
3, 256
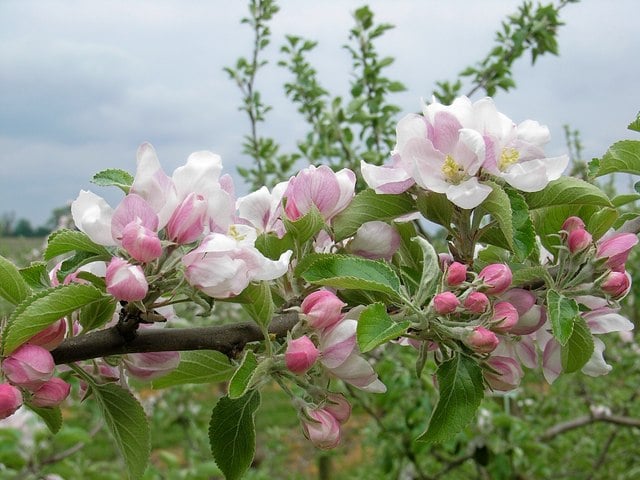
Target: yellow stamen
508, 157
233, 232
452, 171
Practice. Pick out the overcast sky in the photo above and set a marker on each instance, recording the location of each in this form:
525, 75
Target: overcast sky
83, 83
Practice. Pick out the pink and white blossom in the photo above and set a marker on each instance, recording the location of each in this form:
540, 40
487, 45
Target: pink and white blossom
150, 365
322, 309
125, 281
375, 240
10, 400
300, 355
29, 366
321, 428
51, 393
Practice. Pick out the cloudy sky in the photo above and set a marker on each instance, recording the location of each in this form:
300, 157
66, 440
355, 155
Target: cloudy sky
82, 84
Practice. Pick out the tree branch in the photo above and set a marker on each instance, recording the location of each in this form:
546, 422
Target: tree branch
228, 339
587, 420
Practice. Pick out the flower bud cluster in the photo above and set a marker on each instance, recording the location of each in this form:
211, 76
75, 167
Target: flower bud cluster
321, 425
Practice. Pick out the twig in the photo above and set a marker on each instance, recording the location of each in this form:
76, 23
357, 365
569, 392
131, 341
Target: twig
587, 420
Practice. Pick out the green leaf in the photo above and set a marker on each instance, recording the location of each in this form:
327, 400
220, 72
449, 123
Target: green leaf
52, 417
64, 241
232, 434
579, 348
623, 156
13, 288
42, 309
36, 275
436, 208
430, 271
621, 200
562, 312
567, 191
367, 206
127, 422
271, 246
114, 177
529, 275
207, 366
259, 304
244, 375
306, 227
341, 271
461, 391
376, 327
96, 314
635, 125
497, 204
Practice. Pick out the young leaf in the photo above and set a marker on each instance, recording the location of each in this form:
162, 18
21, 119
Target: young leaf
306, 227
623, 156
376, 327
64, 241
341, 271
430, 271
562, 313
232, 433
242, 379
271, 246
127, 422
567, 191
36, 275
52, 417
96, 314
367, 206
42, 309
260, 305
497, 204
436, 207
13, 288
114, 177
207, 366
579, 348
635, 125
461, 391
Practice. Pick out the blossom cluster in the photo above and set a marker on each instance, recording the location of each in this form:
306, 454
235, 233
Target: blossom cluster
451, 149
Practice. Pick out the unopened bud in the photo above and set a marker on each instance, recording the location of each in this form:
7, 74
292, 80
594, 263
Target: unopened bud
456, 274
29, 366
496, 277
51, 393
481, 340
476, 302
579, 240
301, 354
323, 309
505, 317
616, 284
445, 303
10, 400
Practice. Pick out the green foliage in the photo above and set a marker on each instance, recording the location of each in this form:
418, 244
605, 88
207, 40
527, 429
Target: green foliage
13, 287
65, 241
232, 433
244, 376
198, 367
376, 327
579, 348
622, 156
562, 313
114, 177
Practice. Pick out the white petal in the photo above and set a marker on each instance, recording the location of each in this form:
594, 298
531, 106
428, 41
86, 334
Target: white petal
411, 126
385, 179
556, 166
596, 365
200, 174
92, 215
529, 176
469, 194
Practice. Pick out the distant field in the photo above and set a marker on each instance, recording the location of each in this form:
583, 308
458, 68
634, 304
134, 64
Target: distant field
21, 250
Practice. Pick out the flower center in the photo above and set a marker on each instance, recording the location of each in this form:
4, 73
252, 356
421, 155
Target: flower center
452, 171
235, 234
508, 157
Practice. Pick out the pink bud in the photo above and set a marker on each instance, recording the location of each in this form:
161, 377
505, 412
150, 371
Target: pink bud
444, 260
187, 221
337, 343
50, 337
321, 428
141, 242
530, 316
507, 375
455, 274
126, 282
301, 354
322, 309
476, 302
338, 406
51, 393
579, 240
10, 400
359, 373
505, 317
150, 365
497, 277
375, 240
616, 284
29, 366
573, 223
445, 303
616, 250
481, 340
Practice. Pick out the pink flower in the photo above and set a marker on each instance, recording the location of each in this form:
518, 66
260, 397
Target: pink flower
301, 354
615, 249
188, 220
455, 274
29, 366
573, 223
338, 406
224, 265
329, 192
507, 375
132, 208
322, 309
476, 302
125, 281
50, 337
10, 400
445, 303
321, 428
359, 373
141, 242
530, 316
496, 277
51, 393
616, 284
150, 365
505, 317
579, 240
338, 342
375, 240
481, 340
263, 209
387, 178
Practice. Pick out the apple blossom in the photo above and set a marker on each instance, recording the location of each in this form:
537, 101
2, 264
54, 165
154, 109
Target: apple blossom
263, 209
445, 303
616, 284
10, 400
337, 343
338, 406
530, 316
359, 373
387, 179
496, 277
92, 215
322, 309
51, 393
125, 281
150, 365
481, 340
615, 249
141, 242
29, 366
50, 337
321, 428
505, 317
375, 240
188, 220
506, 374
300, 355
578, 240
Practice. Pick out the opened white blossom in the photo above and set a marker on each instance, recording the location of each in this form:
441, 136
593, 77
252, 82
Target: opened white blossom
224, 264
263, 209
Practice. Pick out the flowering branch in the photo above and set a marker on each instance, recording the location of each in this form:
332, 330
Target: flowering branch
228, 339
